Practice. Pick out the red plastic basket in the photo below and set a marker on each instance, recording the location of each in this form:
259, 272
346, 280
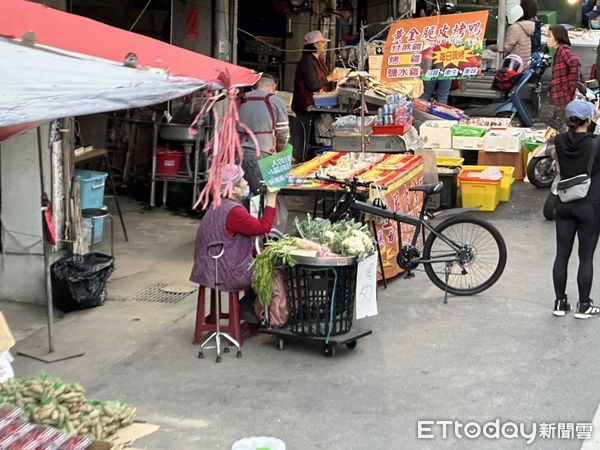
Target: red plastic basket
396, 130
168, 162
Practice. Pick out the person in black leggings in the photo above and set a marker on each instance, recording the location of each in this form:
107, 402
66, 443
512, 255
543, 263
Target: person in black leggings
578, 217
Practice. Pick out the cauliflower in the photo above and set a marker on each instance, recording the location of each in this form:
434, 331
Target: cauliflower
366, 240
353, 246
328, 237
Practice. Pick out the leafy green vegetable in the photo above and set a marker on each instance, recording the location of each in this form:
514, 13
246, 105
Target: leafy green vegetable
264, 265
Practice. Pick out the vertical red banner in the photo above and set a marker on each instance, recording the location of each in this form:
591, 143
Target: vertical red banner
191, 23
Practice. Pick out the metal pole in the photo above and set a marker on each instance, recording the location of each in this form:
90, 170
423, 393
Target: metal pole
171, 23
362, 114
234, 26
501, 29
48, 285
154, 149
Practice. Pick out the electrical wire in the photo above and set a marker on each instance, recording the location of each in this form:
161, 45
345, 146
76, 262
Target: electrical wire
140, 16
283, 49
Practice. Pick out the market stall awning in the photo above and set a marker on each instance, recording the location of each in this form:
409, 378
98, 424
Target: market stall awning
76, 66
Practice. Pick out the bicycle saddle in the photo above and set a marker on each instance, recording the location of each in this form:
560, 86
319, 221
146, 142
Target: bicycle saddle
429, 189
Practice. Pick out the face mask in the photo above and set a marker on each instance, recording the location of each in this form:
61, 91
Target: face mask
245, 192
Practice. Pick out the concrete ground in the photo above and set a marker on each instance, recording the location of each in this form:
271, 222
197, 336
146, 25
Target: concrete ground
498, 355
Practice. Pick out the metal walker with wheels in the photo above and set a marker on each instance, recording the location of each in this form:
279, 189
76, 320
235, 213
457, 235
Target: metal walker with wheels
215, 251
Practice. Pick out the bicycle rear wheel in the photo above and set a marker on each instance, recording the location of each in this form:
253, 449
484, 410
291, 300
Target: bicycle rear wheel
480, 259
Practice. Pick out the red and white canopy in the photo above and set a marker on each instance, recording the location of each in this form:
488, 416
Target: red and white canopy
76, 67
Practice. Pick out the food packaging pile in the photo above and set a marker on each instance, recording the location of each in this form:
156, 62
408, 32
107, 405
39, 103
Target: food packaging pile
350, 165
398, 110
50, 401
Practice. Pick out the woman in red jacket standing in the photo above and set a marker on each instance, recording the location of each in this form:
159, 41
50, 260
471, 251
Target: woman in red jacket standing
566, 70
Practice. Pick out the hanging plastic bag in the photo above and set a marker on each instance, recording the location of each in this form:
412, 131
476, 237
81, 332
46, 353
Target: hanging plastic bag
49, 226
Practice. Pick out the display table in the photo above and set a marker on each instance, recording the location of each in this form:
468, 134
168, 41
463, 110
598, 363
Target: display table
407, 171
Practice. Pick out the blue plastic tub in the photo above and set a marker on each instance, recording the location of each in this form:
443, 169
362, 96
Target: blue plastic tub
325, 102
91, 188
98, 229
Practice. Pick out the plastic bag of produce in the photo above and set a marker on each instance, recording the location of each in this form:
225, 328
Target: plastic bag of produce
278, 308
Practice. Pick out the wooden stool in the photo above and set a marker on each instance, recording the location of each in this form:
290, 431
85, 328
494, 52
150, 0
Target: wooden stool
206, 324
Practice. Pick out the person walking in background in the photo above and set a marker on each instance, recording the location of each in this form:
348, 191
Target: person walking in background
439, 90
518, 34
575, 149
566, 70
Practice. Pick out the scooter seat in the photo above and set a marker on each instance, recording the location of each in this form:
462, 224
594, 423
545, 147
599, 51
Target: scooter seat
428, 189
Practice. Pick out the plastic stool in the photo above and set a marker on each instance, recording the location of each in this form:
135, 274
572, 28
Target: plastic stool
205, 324
95, 214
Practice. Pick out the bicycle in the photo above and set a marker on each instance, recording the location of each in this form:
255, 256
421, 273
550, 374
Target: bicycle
472, 250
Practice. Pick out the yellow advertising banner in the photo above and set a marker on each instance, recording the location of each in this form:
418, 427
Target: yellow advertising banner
435, 48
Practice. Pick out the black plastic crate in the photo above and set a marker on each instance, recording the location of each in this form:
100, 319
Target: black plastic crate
450, 191
310, 292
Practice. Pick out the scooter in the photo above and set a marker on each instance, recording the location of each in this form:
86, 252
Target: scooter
524, 98
543, 166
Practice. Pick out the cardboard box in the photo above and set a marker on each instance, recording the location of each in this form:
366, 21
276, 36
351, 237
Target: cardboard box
467, 143
509, 140
503, 159
436, 134
7, 341
447, 153
125, 437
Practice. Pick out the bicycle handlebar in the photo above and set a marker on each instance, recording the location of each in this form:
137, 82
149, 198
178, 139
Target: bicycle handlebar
354, 183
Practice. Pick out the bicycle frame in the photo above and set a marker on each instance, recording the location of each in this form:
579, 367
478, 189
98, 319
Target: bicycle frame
459, 254
420, 223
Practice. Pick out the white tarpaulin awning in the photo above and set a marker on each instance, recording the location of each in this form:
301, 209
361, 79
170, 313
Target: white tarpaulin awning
39, 85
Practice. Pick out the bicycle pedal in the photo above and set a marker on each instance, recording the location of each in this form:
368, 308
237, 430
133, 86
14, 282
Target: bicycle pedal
409, 275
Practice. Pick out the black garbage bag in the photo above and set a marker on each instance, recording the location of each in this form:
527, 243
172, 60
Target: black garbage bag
79, 281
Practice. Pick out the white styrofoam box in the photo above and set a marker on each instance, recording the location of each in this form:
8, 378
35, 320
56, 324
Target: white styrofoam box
509, 140
467, 143
436, 133
447, 153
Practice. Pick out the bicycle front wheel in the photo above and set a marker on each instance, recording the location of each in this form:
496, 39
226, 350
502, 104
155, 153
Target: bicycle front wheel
477, 262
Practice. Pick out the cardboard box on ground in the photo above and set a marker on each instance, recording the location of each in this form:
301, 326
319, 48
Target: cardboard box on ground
125, 437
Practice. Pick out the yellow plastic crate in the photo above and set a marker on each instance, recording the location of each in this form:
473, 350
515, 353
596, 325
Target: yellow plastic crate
483, 193
449, 161
506, 181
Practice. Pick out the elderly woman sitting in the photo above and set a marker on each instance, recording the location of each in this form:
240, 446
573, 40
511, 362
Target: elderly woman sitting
234, 226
